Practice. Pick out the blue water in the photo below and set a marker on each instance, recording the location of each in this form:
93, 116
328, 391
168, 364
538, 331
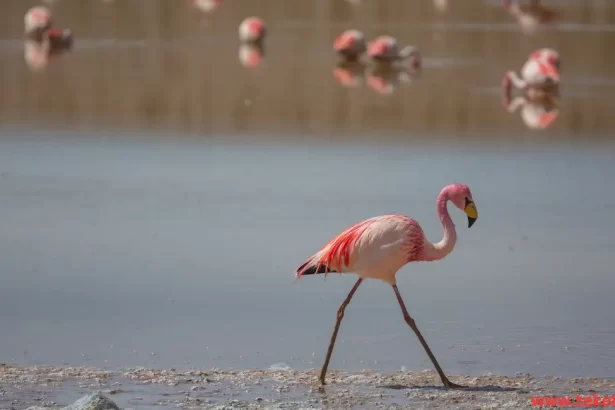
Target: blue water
127, 251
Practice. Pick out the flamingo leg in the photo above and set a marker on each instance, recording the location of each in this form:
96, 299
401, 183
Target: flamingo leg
412, 324
340, 316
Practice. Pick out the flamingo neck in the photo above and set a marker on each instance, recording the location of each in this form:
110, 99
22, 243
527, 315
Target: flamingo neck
440, 249
516, 80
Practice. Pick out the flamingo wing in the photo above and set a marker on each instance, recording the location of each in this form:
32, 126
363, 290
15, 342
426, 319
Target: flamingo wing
383, 243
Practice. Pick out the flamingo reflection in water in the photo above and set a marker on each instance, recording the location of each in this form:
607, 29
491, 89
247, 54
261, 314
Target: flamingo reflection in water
41, 40
539, 89
382, 80
385, 67
251, 55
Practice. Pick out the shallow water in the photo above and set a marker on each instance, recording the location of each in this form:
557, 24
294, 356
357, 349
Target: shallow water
179, 254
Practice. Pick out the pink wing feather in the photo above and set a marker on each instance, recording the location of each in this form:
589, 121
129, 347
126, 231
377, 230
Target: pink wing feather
339, 254
336, 253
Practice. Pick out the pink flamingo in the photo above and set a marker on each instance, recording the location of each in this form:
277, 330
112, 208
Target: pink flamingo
384, 49
546, 55
252, 30
378, 247
350, 45
37, 21
536, 77
529, 16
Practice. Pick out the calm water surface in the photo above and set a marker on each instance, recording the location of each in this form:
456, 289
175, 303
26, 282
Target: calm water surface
165, 253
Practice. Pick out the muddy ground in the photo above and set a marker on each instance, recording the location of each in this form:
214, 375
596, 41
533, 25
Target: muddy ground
54, 387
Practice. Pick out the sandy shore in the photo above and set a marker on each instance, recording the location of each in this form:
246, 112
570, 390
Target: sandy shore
54, 387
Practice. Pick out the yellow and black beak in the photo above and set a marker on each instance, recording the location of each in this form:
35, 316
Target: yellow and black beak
470, 210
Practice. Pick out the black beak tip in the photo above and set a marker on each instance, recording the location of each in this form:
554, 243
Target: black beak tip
471, 221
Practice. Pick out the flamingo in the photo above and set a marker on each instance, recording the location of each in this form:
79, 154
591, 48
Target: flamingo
547, 55
252, 30
378, 247
350, 45
529, 16
536, 77
384, 49
37, 21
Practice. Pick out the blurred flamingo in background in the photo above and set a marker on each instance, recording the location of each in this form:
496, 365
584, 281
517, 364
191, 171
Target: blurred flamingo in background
252, 30
384, 50
42, 40
350, 45
537, 78
378, 247
546, 55
529, 16
37, 21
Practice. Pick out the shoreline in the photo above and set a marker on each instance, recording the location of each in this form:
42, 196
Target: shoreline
23, 387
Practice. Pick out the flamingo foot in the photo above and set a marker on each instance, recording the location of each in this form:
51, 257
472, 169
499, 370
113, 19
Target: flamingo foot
450, 385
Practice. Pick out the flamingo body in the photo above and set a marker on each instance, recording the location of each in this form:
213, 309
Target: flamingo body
350, 44
252, 30
37, 20
385, 49
375, 248
536, 77
546, 55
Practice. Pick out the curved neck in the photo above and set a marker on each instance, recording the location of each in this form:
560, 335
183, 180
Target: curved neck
440, 249
518, 82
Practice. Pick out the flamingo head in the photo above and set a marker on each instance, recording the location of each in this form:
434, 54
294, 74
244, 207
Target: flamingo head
61, 39
461, 197
554, 60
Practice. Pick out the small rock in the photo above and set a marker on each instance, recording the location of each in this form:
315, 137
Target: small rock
93, 401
